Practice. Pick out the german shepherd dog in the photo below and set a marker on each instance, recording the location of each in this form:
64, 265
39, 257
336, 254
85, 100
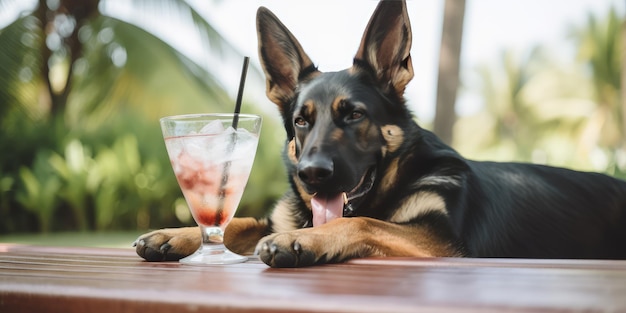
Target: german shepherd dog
367, 180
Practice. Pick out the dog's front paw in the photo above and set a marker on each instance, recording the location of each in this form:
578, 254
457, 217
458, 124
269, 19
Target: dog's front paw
292, 249
169, 244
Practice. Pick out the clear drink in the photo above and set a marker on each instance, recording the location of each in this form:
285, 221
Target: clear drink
212, 156
211, 177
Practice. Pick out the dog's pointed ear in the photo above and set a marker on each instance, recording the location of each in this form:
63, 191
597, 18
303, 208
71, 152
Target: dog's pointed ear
385, 47
283, 60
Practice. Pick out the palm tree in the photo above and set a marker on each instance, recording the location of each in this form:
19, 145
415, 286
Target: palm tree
449, 65
60, 44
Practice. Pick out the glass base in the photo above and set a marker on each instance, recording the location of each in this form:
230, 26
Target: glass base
213, 254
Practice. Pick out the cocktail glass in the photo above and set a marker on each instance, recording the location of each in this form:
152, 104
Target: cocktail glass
212, 161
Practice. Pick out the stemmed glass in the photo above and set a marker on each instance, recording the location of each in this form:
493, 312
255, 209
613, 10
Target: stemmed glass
212, 156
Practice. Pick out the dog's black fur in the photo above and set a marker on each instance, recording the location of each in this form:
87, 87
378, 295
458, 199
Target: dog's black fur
350, 132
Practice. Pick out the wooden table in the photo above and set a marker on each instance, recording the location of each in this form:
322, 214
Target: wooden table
57, 279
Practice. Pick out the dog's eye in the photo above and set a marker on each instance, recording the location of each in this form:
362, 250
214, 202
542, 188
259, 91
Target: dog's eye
355, 115
299, 121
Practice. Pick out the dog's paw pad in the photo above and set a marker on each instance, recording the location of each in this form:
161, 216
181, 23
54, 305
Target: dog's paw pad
164, 245
292, 254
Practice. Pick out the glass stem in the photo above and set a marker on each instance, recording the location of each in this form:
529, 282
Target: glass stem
212, 238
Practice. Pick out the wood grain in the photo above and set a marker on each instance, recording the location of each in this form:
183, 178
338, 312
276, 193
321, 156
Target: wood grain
58, 279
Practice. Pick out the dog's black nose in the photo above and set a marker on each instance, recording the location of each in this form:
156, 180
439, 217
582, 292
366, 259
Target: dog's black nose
315, 172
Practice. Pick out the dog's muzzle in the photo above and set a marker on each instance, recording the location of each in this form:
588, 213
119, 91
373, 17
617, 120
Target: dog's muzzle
329, 206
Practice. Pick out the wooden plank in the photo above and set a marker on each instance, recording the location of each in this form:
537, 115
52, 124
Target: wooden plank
58, 279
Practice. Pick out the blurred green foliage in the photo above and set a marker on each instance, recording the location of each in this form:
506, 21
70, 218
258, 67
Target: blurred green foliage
81, 145
557, 111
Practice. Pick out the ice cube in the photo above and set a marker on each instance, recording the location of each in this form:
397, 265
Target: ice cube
197, 147
214, 127
206, 144
246, 143
174, 146
221, 146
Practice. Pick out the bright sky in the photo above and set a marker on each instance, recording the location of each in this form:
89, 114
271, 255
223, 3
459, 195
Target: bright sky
330, 31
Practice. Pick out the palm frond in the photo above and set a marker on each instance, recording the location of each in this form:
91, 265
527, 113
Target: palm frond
155, 78
161, 17
19, 65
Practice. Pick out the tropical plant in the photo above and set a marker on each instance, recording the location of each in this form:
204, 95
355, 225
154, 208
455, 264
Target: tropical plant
81, 91
509, 125
61, 43
601, 50
40, 188
544, 110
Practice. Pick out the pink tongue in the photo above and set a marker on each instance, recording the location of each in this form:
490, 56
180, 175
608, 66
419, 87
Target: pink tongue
326, 208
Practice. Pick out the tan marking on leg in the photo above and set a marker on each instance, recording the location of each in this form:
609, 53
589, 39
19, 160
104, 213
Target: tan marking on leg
242, 234
183, 241
345, 238
417, 205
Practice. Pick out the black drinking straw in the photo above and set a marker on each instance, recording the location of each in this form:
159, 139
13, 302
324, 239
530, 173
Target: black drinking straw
242, 82
231, 147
